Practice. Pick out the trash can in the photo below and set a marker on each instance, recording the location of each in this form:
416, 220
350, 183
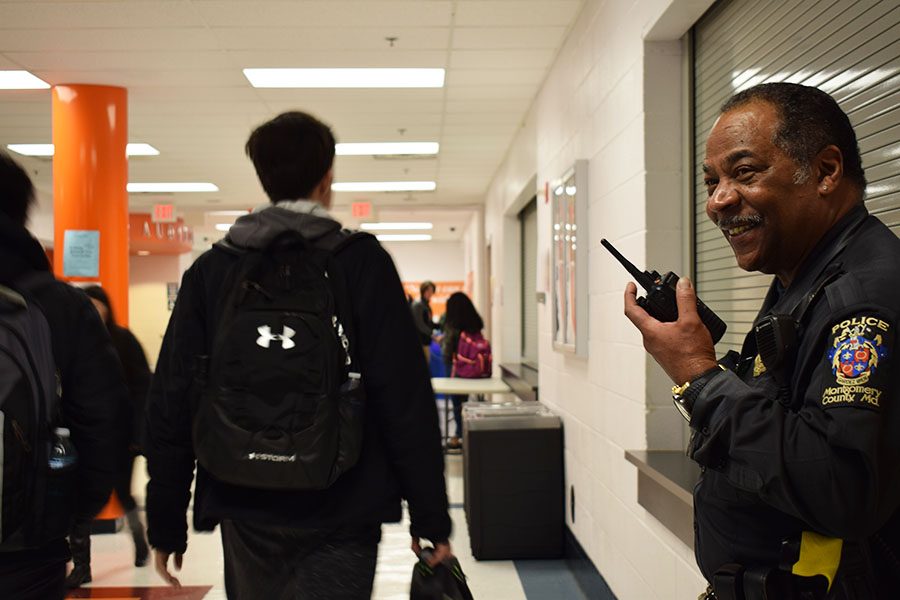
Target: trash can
513, 478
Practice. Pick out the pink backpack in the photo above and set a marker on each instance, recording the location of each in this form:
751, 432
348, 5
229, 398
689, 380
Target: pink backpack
473, 357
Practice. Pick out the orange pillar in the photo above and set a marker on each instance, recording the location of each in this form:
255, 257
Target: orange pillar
90, 174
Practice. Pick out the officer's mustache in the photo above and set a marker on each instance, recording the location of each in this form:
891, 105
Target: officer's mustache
728, 223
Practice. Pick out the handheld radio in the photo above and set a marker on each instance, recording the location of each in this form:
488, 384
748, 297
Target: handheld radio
660, 302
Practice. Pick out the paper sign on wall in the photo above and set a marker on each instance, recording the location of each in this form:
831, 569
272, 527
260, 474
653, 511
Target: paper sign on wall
81, 253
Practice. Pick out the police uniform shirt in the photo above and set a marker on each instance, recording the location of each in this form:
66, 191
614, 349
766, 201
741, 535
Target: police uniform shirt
822, 455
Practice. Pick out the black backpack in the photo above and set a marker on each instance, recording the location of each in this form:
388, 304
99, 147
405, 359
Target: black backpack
34, 501
280, 407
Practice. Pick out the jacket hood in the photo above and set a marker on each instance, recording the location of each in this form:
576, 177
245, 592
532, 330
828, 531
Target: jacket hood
20, 252
260, 227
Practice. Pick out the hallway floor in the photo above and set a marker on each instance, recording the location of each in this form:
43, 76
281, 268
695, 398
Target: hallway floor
202, 575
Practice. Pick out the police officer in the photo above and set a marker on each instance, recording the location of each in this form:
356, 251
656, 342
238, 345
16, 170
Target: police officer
798, 438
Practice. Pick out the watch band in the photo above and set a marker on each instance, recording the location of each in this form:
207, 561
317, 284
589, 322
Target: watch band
684, 395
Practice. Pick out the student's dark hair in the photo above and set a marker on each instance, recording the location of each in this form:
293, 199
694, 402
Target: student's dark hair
461, 314
426, 285
98, 293
810, 121
16, 190
291, 154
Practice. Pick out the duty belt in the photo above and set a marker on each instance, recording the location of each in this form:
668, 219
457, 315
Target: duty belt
736, 582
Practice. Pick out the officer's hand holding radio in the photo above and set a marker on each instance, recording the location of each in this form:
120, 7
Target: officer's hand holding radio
683, 348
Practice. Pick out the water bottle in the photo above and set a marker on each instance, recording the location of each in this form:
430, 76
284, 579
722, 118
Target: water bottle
60, 484
63, 456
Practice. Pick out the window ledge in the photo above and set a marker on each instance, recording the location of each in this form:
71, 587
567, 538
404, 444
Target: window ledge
522, 379
666, 482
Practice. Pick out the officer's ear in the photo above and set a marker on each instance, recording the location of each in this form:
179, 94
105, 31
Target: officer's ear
828, 167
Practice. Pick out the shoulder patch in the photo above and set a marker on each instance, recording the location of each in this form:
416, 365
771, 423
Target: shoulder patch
859, 346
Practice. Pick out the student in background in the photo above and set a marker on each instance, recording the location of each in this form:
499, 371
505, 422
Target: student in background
91, 391
137, 377
423, 318
462, 321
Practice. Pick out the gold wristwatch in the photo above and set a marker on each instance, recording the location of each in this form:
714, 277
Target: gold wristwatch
684, 395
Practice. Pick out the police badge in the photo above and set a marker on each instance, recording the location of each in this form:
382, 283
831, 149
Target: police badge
858, 349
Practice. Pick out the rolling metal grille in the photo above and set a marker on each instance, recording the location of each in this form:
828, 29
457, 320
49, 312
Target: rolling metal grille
850, 50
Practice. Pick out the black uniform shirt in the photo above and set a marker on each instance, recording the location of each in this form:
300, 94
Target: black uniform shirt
823, 456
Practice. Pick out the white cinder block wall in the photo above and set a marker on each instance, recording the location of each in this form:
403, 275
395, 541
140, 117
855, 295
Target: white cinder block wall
614, 97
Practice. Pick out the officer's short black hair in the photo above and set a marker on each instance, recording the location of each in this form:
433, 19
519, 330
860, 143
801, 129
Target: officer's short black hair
291, 154
810, 121
426, 285
16, 190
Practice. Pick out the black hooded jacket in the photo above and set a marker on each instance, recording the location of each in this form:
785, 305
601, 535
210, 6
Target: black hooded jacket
401, 455
93, 388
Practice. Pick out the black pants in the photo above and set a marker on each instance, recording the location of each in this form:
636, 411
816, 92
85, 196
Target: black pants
123, 482
33, 581
458, 400
279, 563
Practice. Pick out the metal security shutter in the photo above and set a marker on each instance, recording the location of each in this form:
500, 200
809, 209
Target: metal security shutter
528, 221
850, 50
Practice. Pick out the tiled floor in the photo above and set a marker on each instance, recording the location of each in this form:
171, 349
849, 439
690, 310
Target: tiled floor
113, 554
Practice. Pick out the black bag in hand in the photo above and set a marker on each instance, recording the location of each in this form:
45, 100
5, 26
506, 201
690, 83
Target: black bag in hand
444, 581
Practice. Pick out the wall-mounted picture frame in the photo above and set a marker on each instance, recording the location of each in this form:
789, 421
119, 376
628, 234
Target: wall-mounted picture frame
569, 261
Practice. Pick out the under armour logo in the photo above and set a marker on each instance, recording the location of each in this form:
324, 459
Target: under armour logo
266, 337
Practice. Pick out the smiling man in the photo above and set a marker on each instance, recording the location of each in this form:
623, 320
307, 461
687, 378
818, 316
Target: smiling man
798, 438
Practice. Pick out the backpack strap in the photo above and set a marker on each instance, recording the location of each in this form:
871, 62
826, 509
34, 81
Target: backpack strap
339, 241
31, 281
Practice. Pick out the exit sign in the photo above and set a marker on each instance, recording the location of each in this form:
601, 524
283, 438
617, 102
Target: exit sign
163, 213
361, 210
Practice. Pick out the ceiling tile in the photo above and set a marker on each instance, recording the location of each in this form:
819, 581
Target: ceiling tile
505, 38
83, 15
506, 13
161, 77
502, 59
480, 77
490, 92
332, 38
109, 61
107, 40
359, 13
393, 57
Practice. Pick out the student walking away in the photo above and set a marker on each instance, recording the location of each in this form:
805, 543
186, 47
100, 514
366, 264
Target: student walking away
466, 353
798, 437
291, 374
137, 377
423, 317
61, 388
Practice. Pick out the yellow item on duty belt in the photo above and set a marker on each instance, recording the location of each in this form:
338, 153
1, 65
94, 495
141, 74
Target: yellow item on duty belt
819, 555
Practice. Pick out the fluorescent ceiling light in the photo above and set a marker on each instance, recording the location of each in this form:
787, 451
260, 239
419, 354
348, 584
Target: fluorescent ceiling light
137, 188
139, 149
384, 186
404, 237
228, 213
223, 226
143, 253
345, 78
32, 149
396, 226
386, 148
21, 80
